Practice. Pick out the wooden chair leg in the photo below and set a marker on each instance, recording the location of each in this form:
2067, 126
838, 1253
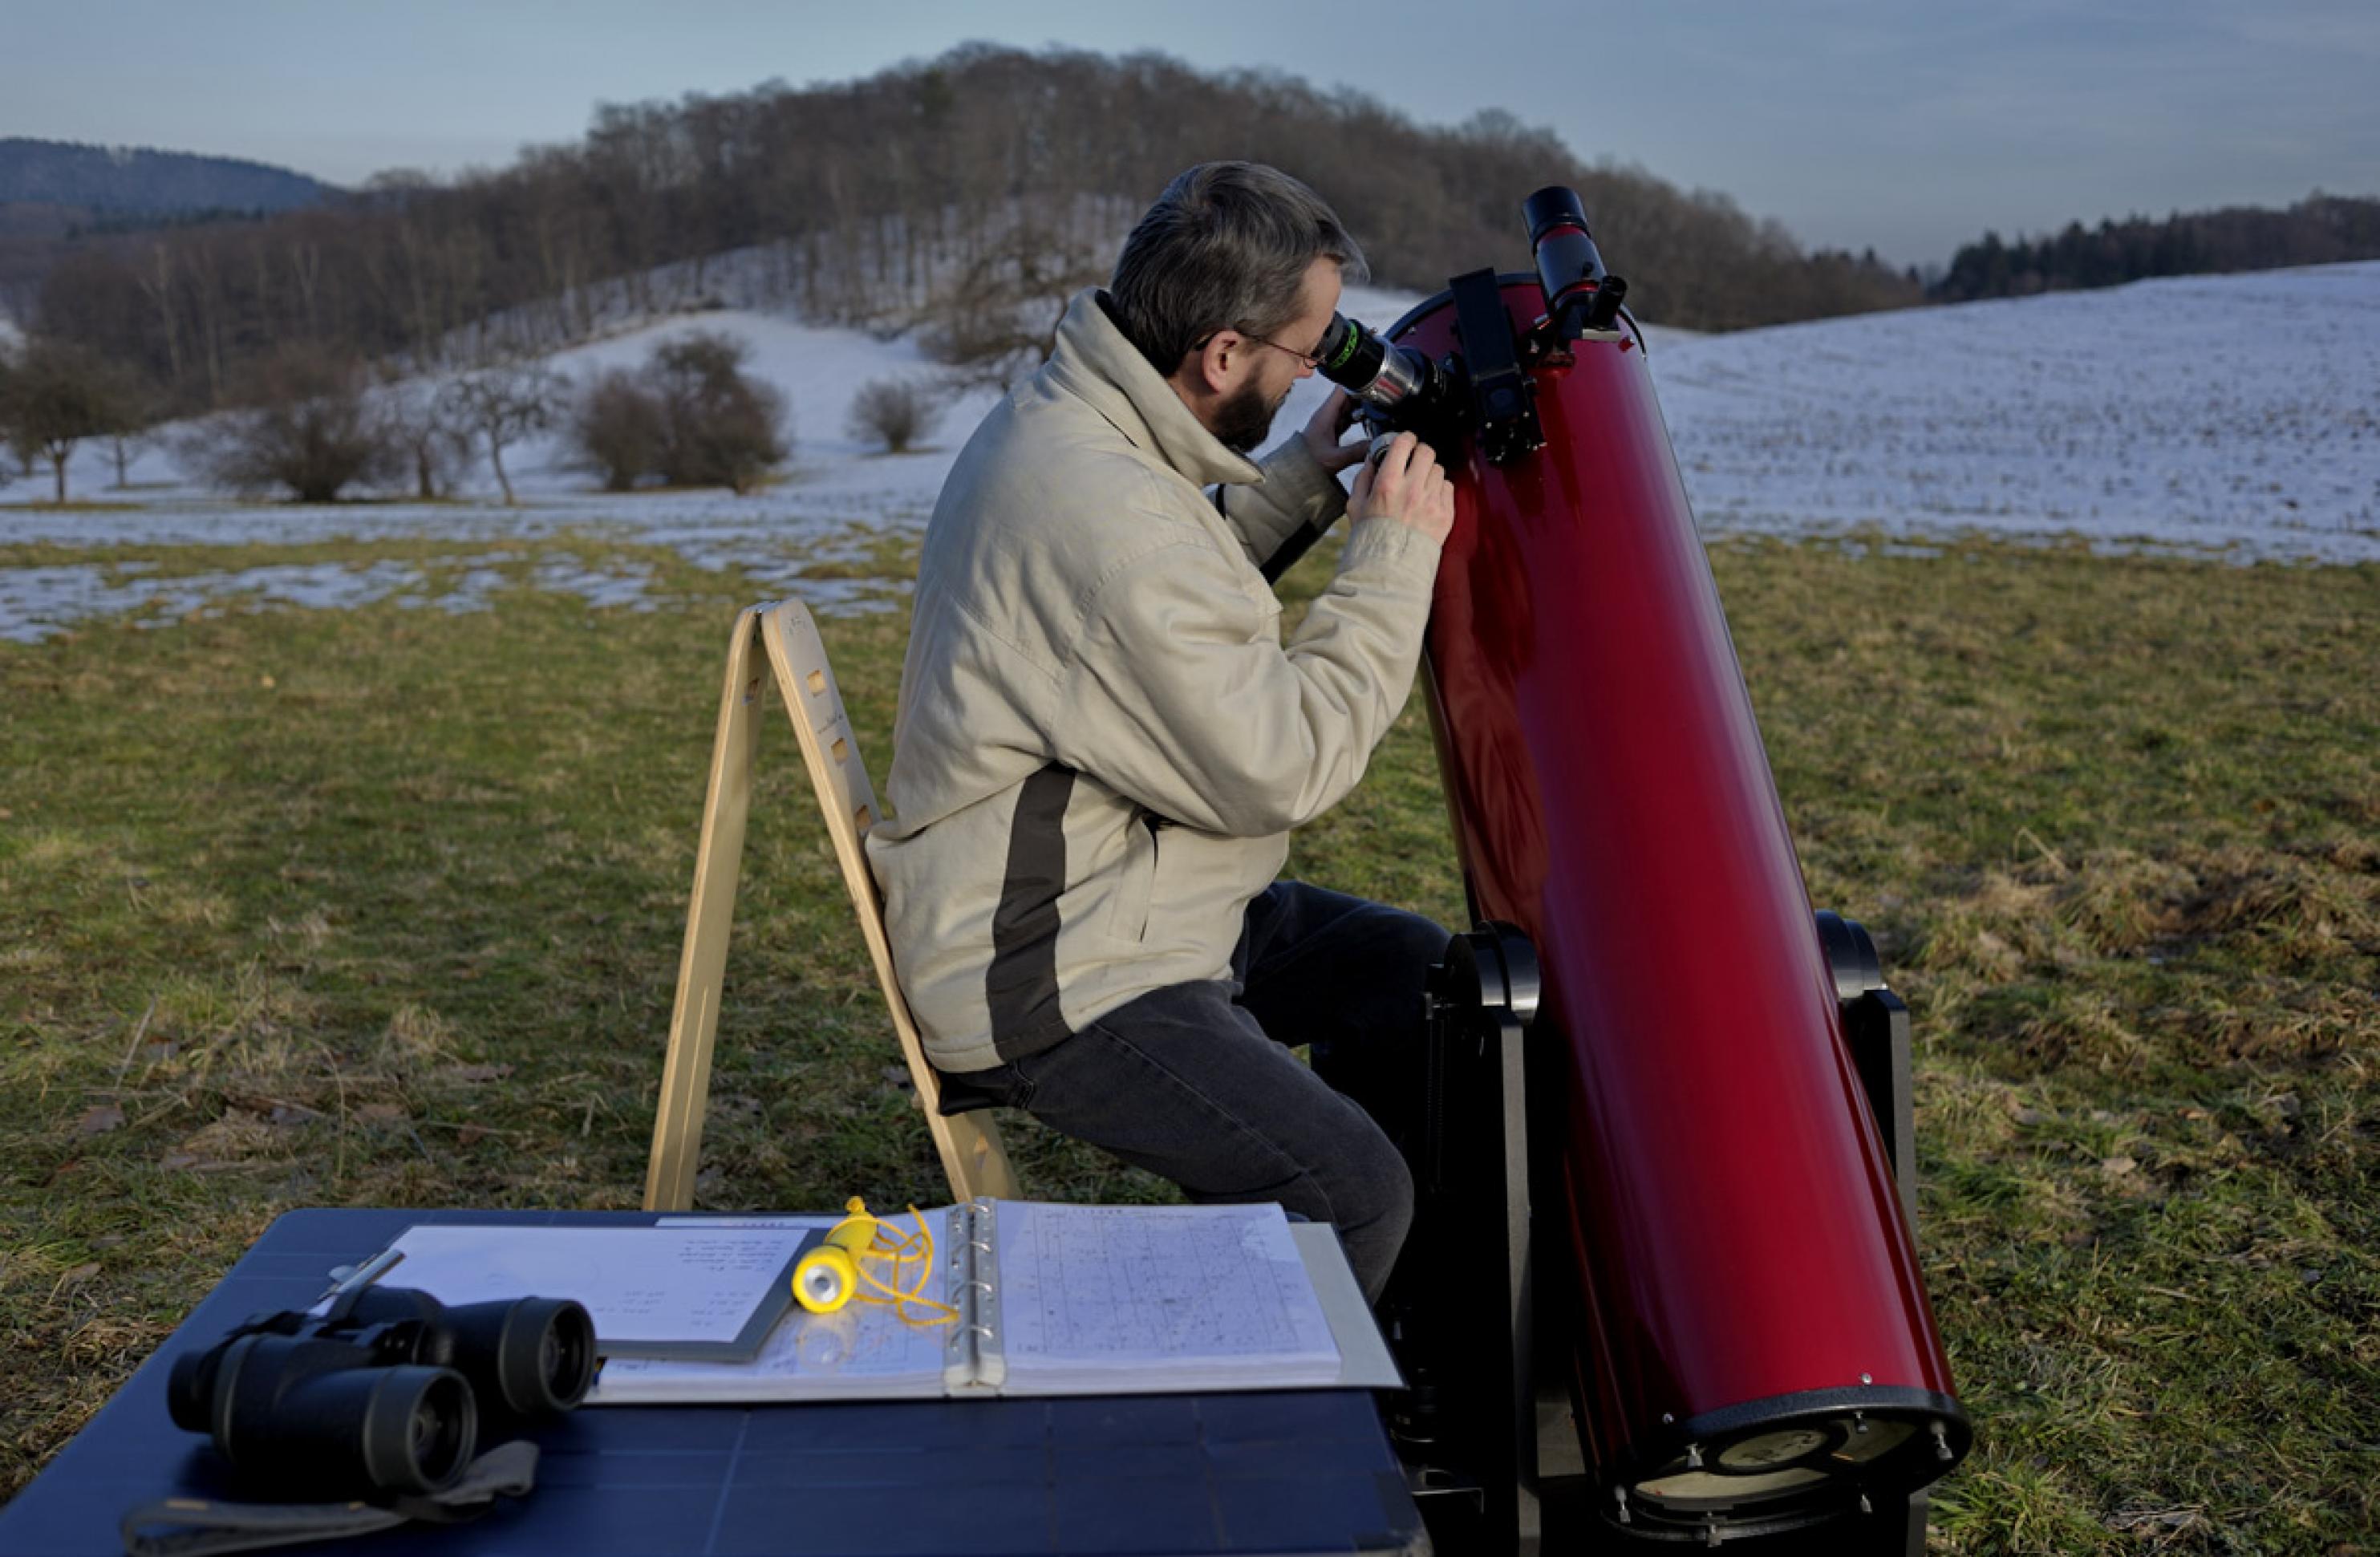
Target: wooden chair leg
694, 1020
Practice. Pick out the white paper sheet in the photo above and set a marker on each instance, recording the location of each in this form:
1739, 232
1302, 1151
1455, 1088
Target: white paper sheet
639, 1285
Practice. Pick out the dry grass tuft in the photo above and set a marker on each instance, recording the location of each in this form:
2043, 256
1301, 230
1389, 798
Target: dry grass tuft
415, 1039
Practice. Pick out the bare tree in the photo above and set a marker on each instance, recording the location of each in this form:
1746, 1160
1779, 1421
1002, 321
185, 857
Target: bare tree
14, 438
135, 408
894, 412
427, 429
999, 315
504, 403
57, 394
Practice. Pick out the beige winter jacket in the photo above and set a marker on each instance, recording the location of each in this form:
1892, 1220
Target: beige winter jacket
1103, 742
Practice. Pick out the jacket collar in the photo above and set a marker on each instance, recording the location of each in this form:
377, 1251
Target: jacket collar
1094, 362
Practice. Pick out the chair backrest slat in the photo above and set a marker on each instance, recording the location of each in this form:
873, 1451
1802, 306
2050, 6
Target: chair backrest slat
970, 1146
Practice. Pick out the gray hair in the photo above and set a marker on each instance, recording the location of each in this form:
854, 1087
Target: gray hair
1226, 247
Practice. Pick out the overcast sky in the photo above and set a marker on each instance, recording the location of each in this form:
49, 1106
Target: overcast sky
1909, 127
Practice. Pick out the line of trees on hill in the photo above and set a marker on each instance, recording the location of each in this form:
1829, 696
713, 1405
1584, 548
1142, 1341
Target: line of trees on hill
943, 194
2319, 230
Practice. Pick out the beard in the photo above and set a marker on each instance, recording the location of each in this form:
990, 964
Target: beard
1241, 422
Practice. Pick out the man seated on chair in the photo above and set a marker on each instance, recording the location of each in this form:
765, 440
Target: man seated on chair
1104, 741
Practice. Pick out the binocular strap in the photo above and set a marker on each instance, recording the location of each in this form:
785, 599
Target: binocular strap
195, 1528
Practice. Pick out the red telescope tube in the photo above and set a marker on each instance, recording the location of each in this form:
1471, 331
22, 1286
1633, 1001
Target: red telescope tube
1751, 1329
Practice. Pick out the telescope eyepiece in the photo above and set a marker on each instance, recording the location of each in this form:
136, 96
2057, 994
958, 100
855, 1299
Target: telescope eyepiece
1383, 376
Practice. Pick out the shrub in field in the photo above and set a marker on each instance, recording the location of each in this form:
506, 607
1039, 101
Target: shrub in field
893, 412
310, 429
691, 415
618, 429
722, 426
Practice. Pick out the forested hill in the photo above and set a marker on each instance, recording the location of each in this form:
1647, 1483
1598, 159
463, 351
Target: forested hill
141, 182
2319, 230
888, 201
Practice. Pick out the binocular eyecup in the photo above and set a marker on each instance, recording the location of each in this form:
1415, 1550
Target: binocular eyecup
384, 1396
531, 1356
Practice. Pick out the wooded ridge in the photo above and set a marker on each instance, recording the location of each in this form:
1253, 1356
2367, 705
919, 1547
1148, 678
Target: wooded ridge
142, 181
870, 202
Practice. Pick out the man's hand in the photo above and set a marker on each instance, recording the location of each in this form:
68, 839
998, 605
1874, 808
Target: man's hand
1404, 483
1330, 424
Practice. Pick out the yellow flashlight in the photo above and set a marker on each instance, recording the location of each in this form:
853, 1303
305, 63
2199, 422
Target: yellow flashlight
825, 1278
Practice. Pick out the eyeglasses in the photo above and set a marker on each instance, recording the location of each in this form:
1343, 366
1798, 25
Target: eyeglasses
1307, 358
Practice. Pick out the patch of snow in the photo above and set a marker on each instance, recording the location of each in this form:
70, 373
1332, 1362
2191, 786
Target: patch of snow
36, 602
613, 585
40, 603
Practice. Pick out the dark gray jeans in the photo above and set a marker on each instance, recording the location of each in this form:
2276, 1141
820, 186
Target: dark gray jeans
1197, 1083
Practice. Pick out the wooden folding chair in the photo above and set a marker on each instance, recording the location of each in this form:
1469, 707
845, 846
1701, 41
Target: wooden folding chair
969, 1143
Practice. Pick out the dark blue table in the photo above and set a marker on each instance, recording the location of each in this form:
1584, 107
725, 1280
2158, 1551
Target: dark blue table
1291, 1472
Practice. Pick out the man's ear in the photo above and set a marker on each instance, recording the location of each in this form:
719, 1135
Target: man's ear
1210, 367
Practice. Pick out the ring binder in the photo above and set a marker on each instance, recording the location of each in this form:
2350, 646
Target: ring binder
1108, 1300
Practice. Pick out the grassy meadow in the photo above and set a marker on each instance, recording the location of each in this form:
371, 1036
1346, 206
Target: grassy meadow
383, 907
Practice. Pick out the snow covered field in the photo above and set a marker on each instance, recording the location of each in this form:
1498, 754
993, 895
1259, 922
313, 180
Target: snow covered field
2240, 415
2233, 416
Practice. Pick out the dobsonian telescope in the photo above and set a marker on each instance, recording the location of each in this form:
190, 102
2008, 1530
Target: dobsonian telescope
1662, 1286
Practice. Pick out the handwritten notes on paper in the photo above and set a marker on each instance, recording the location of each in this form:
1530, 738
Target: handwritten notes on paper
1139, 1289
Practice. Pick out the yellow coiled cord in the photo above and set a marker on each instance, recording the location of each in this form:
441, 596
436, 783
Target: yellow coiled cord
836, 1272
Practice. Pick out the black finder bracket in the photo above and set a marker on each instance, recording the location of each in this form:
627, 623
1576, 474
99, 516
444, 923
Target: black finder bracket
1503, 397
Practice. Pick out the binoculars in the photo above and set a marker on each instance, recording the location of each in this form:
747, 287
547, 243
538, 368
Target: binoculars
382, 1394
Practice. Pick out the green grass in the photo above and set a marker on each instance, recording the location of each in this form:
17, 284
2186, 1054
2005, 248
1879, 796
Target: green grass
384, 908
